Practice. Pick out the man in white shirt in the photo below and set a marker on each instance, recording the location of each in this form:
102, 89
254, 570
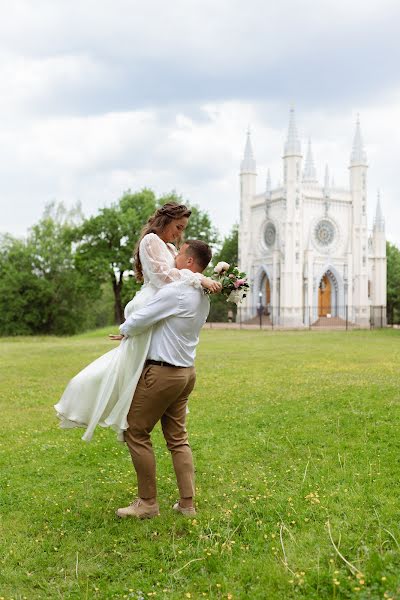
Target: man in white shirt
177, 313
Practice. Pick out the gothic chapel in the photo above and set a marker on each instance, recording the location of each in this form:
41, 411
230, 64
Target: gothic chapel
306, 246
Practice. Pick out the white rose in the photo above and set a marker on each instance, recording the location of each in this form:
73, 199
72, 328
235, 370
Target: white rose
221, 266
236, 296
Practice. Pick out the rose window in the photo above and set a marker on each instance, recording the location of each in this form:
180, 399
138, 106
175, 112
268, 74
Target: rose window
270, 234
324, 232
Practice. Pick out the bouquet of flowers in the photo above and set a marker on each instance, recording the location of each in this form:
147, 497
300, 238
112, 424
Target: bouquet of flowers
234, 283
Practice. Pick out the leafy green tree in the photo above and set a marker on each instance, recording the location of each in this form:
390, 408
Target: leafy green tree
40, 290
23, 295
228, 253
105, 243
71, 293
64, 217
58, 279
393, 283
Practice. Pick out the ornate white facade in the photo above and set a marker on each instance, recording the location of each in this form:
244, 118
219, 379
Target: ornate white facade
306, 246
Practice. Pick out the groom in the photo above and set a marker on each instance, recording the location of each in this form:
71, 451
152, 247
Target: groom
177, 313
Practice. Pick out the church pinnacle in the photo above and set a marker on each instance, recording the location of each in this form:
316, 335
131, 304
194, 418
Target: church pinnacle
358, 155
309, 174
248, 164
268, 184
292, 145
379, 221
326, 181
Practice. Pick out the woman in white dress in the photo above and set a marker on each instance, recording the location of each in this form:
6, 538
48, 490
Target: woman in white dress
102, 393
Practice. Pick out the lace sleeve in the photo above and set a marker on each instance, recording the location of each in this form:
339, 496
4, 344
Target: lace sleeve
156, 262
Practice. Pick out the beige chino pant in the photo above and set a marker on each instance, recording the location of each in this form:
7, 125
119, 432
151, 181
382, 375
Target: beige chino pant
161, 394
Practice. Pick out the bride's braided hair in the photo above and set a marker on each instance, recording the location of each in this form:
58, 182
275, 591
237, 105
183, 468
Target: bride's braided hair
156, 224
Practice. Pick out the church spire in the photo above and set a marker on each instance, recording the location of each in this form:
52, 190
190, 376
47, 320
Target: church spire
379, 221
248, 164
268, 194
292, 145
309, 174
358, 155
327, 189
326, 181
268, 185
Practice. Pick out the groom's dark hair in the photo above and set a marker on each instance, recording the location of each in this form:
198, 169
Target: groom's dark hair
199, 251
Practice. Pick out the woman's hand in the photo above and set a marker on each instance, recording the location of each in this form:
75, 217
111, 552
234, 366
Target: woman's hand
117, 338
214, 287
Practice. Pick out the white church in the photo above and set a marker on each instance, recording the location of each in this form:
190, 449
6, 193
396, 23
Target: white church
306, 246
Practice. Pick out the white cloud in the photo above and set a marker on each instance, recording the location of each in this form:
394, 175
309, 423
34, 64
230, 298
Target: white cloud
95, 159
98, 97
121, 55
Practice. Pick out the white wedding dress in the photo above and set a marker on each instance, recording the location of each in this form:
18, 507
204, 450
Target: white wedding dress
102, 393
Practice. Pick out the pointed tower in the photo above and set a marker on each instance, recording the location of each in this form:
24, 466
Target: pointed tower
268, 184
292, 144
291, 300
248, 177
309, 174
248, 164
378, 275
268, 190
379, 221
327, 186
327, 190
358, 155
358, 188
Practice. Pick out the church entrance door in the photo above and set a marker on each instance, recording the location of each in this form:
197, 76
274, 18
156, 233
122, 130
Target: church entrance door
267, 292
324, 297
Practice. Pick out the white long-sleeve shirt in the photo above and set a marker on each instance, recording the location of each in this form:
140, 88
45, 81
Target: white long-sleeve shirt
177, 313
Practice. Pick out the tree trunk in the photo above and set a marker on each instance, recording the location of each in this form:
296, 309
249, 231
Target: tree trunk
118, 309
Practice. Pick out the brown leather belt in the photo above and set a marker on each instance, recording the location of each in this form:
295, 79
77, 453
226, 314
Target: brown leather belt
161, 363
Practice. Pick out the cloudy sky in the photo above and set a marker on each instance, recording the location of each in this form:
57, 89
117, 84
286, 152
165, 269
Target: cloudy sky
97, 97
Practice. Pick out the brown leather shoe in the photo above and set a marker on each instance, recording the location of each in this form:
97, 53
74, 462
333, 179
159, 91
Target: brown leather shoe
140, 509
187, 512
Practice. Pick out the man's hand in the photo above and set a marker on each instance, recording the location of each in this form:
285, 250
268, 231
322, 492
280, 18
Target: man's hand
117, 338
214, 287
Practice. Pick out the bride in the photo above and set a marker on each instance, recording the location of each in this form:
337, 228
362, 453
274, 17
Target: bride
102, 393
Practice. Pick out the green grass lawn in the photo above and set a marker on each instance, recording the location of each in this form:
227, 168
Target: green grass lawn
296, 439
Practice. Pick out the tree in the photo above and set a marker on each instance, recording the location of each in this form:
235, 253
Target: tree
228, 253
57, 279
393, 282
105, 242
23, 295
40, 289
